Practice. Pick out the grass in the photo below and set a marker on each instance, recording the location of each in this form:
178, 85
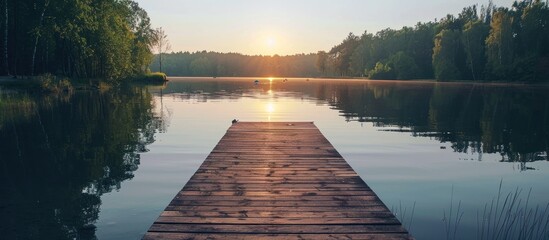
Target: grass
153, 78
46, 82
505, 216
402, 215
51, 83
451, 223
511, 217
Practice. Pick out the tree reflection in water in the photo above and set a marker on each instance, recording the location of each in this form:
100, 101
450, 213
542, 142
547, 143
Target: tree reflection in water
511, 120
60, 153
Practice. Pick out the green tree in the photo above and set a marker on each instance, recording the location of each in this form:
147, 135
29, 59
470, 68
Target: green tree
421, 48
86, 38
404, 66
445, 53
381, 71
532, 52
202, 67
161, 44
499, 45
361, 58
143, 40
341, 54
473, 38
322, 61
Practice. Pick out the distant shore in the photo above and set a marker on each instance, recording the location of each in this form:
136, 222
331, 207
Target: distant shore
26, 82
502, 83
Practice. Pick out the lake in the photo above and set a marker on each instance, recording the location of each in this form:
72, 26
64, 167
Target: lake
452, 160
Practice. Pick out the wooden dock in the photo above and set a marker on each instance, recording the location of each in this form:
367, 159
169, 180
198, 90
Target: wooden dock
276, 181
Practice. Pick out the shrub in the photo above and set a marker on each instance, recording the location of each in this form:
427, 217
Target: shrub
51, 83
155, 77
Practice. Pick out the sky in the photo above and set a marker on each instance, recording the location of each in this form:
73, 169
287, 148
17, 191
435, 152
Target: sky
286, 27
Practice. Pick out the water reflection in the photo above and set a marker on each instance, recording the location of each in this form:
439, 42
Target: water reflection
512, 121
60, 153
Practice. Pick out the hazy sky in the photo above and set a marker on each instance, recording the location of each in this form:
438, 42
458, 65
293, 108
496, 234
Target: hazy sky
287, 26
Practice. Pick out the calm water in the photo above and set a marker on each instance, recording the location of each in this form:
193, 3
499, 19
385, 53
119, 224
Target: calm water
103, 165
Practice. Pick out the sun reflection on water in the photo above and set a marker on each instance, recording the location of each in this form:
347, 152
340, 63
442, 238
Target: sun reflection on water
270, 109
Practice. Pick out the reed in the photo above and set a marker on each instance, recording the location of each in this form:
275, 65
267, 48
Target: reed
505, 217
510, 216
451, 223
401, 213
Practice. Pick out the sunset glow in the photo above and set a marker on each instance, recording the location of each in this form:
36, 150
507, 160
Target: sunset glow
270, 108
286, 27
271, 42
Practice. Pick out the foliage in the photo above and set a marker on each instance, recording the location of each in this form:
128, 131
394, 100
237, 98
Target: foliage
81, 39
473, 38
214, 64
341, 54
160, 44
404, 66
446, 55
478, 44
499, 45
50, 83
155, 77
381, 71
322, 61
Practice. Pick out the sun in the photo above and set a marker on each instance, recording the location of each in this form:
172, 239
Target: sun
270, 41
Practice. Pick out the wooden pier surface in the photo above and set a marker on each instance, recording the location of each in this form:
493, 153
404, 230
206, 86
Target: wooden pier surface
276, 181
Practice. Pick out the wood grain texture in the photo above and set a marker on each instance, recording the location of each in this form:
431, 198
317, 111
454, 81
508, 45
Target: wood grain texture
283, 180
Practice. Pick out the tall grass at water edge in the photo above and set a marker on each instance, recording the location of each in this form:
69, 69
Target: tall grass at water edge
512, 217
504, 217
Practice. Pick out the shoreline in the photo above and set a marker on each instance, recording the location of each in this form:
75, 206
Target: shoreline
27, 82
359, 79
37, 82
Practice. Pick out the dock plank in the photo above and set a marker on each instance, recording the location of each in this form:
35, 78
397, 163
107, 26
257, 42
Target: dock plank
276, 181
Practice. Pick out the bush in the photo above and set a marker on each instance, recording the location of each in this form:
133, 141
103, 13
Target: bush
51, 83
381, 71
156, 77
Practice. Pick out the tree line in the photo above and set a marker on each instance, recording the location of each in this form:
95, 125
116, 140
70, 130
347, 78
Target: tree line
486, 43
83, 39
211, 64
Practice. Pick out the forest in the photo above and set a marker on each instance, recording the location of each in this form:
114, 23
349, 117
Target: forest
108, 39
113, 39
214, 64
484, 44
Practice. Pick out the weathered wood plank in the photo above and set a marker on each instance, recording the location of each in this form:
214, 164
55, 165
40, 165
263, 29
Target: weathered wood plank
233, 236
373, 208
276, 181
273, 187
278, 228
276, 198
274, 221
277, 214
276, 193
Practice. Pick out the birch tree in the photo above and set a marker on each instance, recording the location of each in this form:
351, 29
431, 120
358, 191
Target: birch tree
161, 44
38, 32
